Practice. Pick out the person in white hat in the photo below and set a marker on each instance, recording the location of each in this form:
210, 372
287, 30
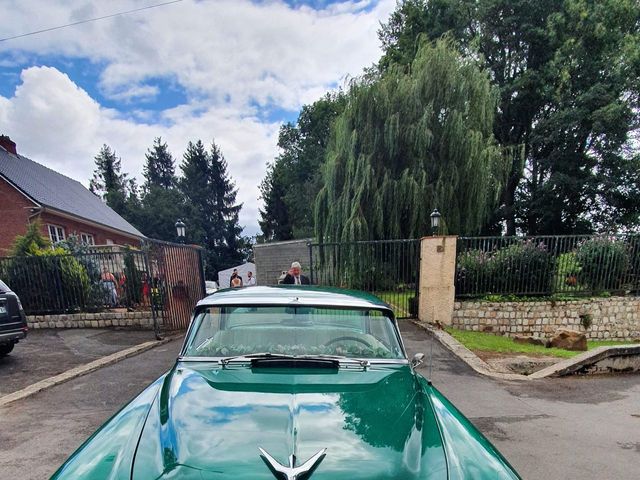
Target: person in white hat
295, 277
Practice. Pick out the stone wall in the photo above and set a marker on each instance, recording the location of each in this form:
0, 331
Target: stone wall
138, 320
615, 318
272, 258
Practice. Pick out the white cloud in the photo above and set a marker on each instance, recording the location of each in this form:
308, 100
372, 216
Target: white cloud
56, 123
231, 59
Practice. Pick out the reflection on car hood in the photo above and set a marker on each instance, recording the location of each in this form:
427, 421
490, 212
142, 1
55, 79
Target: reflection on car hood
208, 422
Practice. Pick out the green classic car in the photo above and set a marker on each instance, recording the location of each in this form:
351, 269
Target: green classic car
289, 383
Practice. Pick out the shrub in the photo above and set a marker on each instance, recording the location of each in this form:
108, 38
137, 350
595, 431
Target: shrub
49, 281
523, 267
520, 268
567, 273
46, 279
603, 263
474, 273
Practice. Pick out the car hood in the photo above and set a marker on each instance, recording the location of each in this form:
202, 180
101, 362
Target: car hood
208, 423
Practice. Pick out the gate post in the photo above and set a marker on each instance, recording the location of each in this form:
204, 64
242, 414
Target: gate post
437, 279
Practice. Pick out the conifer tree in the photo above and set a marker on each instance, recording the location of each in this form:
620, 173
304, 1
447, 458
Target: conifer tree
159, 167
211, 209
410, 141
108, 182
162, 202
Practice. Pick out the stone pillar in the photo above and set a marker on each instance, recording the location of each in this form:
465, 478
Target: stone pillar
437, 274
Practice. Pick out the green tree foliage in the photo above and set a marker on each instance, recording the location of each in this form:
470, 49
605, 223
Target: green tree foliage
294, 179
408, 142
46, 279
31, 242
568, 78
162, 203
159, 168
108, 181
212, 212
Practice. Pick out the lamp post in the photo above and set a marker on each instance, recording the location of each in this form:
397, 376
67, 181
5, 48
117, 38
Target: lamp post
435, 222
181, 229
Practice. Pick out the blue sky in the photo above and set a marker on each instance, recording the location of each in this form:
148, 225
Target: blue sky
229, 70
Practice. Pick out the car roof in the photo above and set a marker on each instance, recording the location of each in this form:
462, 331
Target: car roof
292, 294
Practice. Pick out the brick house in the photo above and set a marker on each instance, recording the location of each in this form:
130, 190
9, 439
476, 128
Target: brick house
30, 191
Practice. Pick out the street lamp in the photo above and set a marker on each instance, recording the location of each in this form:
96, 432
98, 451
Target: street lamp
435, 222
181, 228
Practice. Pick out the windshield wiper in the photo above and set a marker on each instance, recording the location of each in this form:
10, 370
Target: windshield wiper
253, 356
276, 356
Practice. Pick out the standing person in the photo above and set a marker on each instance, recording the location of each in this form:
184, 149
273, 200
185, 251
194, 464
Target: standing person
236, 281
233, 275
251, 280
295, 277
109, 284
146, 290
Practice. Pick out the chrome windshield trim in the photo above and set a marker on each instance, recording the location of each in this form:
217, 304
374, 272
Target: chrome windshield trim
372, 361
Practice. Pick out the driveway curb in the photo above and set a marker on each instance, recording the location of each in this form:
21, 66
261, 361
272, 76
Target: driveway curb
83, 370
559, 369
466, 355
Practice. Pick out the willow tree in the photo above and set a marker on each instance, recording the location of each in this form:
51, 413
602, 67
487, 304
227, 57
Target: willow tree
409, 141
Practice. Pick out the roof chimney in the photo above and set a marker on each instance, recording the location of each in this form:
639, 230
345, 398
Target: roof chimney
8, 144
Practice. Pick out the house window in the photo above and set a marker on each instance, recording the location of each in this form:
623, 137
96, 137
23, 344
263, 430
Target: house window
87, 239
109, 241
56, 233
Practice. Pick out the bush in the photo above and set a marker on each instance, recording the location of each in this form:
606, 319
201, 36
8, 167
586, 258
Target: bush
46, 279
520, 268
50, 281
523, 267
474, 273
603, 263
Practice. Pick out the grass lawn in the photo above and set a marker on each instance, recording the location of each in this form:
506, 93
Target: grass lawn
398, 300
487, 342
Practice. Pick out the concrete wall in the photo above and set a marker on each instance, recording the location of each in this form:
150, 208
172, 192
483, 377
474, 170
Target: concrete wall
137, 320
437, 272
272, 258
615, 318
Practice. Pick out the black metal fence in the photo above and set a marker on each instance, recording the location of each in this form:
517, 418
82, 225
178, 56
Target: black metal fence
161, 277
546, 265
387, 268
55, 283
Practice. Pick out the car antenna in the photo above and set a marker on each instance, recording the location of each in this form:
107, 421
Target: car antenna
430, 358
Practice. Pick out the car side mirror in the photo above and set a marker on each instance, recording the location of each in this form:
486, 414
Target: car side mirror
418, 358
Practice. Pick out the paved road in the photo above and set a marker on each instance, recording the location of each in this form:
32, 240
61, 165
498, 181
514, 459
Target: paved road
583, 428
574, 428
45, 353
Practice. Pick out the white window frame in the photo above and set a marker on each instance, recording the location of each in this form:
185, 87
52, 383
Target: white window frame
87, 238
58, 233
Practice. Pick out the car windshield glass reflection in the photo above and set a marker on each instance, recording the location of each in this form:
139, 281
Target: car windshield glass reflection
233, 330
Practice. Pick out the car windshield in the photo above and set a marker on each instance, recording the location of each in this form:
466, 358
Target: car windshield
233, 330
3, 287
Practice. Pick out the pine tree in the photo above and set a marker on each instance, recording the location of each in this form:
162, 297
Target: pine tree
211, 209
108, 182
162, 202
408, 142
159, 167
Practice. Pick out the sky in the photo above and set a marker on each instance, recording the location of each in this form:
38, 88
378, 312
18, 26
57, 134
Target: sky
232, 71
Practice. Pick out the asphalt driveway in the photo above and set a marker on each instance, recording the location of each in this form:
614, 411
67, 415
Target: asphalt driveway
45, 353
571, 428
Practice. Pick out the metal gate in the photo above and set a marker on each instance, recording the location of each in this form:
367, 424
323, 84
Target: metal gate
177, 282
388, 268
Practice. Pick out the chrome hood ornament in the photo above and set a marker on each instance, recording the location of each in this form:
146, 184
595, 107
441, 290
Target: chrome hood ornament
292, 472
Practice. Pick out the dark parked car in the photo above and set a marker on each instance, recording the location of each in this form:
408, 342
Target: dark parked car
13, 322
